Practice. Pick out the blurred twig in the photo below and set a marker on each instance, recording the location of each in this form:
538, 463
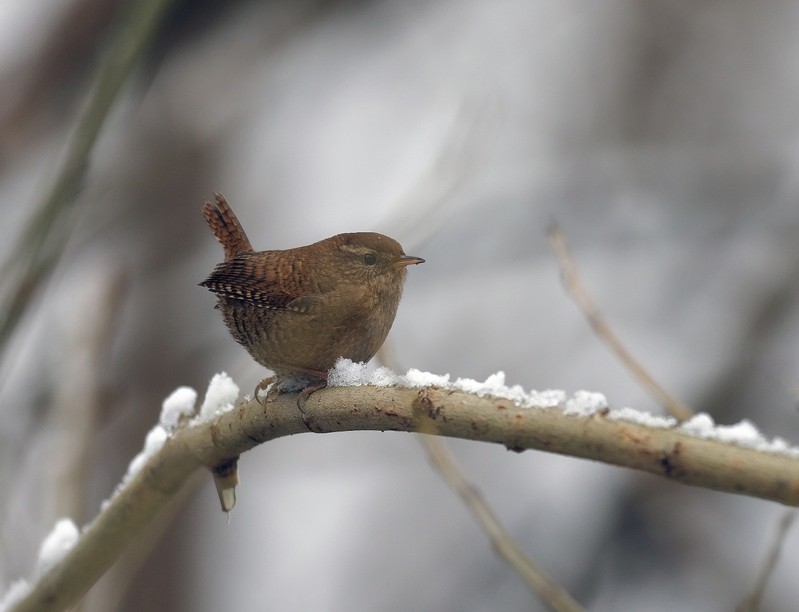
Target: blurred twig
78, 394
38, 249
601, 328
506, 547
754, 600
114, 588
38, 90
422, 212
77, 398
430, 202
763, 322
536, 578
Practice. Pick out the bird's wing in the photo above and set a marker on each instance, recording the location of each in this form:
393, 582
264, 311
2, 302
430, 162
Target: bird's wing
284, 284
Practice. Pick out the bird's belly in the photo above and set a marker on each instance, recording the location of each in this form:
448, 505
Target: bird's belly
287, 342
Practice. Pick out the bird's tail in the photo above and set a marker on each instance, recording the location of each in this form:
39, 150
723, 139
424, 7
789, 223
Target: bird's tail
226, 227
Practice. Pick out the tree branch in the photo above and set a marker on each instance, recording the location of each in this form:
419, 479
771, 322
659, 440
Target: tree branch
668, 452
571, 280
444, 462
505, 546
754, 599
43, 240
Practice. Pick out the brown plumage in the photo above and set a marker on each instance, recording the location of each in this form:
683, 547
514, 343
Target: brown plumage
296, 311
226, 227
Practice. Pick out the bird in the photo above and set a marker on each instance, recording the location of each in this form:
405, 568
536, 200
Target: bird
296, 311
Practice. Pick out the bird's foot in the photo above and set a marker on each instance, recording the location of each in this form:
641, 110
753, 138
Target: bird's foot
263, 386
307, 419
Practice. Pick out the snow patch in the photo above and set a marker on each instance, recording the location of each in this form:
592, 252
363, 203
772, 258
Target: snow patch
56, 545
177, 408
745, 433
639, 417
220, 397
15, 593
346, 373
586, 403
153, 442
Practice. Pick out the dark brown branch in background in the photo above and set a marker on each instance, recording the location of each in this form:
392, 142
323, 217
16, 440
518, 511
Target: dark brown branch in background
41, 89
43, 240
601, 328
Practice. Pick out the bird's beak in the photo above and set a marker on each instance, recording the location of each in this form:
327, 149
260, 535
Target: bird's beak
409, 260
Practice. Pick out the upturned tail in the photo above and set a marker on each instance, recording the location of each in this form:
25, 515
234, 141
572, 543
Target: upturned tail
226, 227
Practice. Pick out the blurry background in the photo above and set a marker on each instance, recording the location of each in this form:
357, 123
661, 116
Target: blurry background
662, 136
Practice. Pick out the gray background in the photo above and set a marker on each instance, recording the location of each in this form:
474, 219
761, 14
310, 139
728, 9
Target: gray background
662, 136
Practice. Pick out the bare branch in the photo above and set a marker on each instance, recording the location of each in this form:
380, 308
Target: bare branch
536, 578
43, 240
754, 599
668, 452
506, 547
77, 396
601, 328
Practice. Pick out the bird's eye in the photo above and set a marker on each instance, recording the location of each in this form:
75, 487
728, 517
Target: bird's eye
370, 259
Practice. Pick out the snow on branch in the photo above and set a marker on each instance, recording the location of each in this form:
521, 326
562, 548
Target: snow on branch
736, 459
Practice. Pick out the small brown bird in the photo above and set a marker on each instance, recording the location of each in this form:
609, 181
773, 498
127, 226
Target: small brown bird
297, 311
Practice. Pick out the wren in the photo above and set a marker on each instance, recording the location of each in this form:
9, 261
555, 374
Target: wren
298, 310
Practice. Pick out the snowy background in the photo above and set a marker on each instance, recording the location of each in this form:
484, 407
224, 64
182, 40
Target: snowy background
662, 136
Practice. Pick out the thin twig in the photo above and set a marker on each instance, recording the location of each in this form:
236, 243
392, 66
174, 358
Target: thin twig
42, 242
506, 547
601, 328
753, 601
430, 203
448, 171
77, 399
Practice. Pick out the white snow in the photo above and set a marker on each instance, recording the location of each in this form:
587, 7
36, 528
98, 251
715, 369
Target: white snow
152, 444
346, 373
586, 403
56, 545
700, 425
744, 433
220, 397
582, 404
15, 593
639, 417
176, 408
418, 379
